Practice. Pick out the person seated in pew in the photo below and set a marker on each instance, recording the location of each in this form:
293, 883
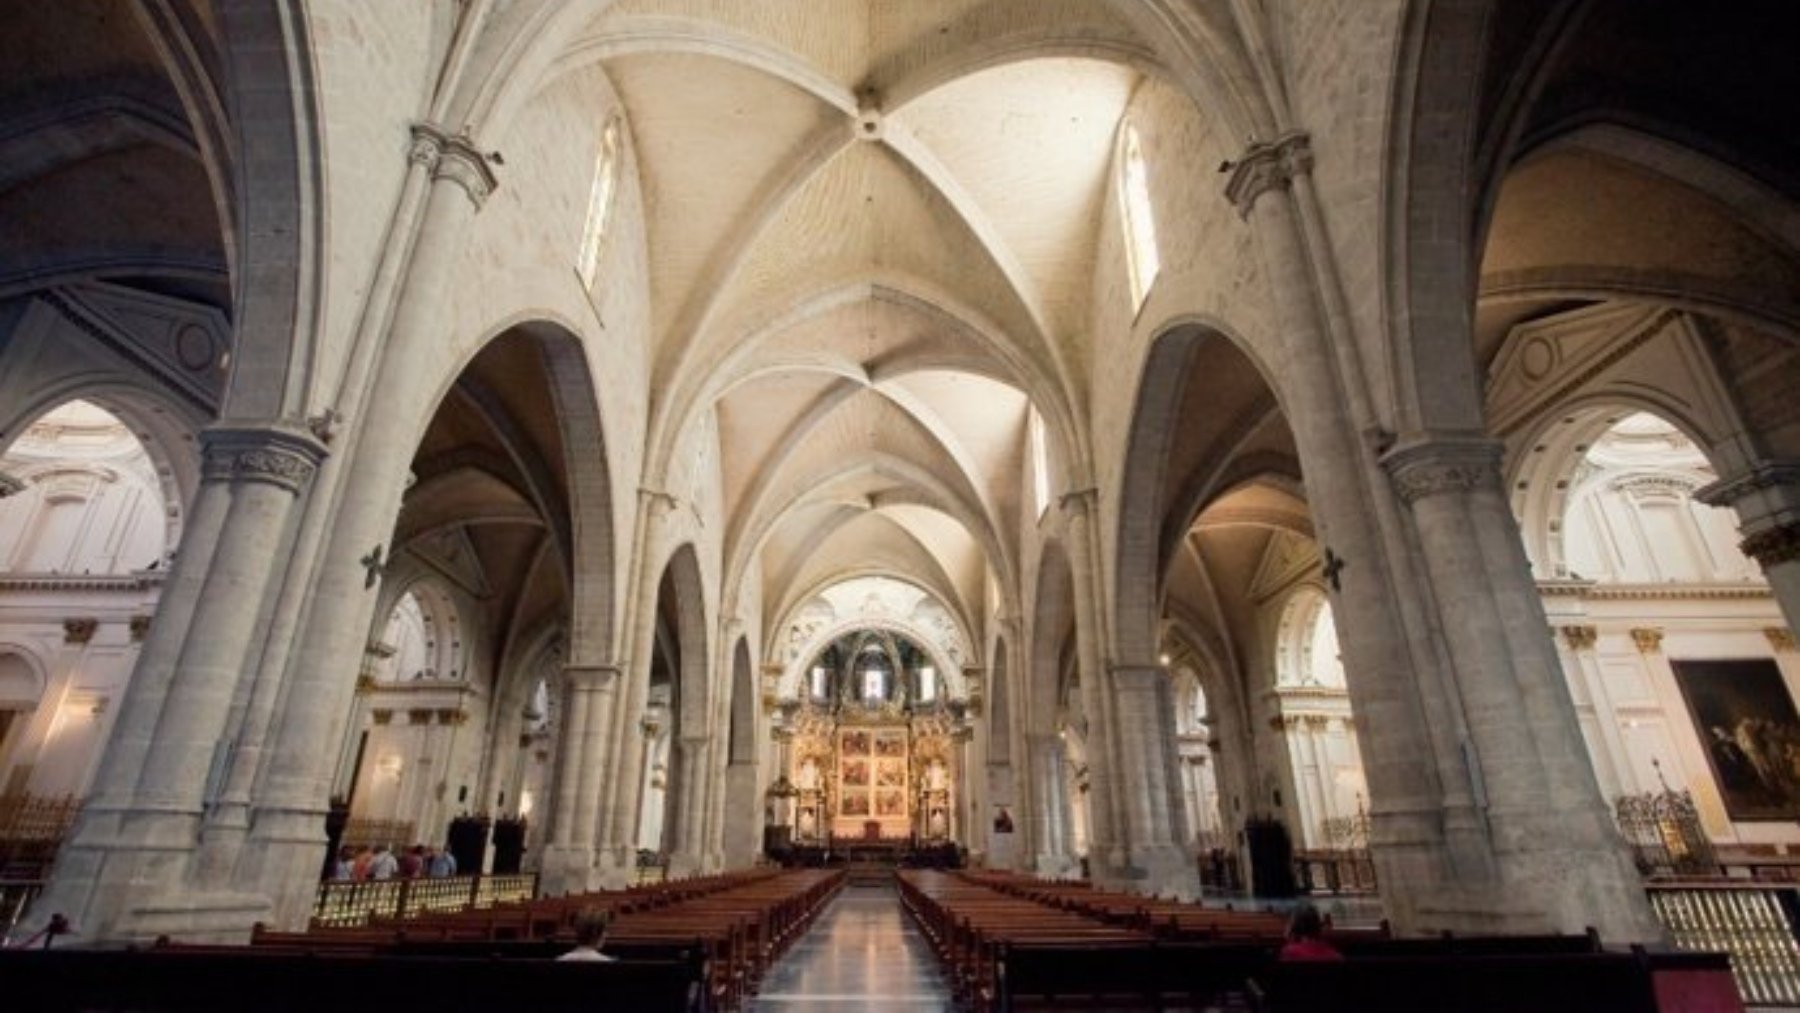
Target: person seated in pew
590, 935
1306, 937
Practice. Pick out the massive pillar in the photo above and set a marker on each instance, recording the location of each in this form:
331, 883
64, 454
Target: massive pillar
1108, 860
287, 830
1048, 832
1766, 497
581, 746
1559, 856
1148, 783
128, 871
687, 853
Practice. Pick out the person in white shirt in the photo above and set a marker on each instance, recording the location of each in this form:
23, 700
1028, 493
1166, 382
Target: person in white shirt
385, 864
590, 934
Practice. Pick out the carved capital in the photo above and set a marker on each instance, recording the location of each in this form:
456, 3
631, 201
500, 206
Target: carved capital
381, 716
287, 458
365, 684
1780, 638
1264, 167
1773, 546
454, 716
419, 715
1436, 465
140, 628
1079, 502
1757, 478
1580, 638
1648, 639
79, 630
588, 678
10, 485
453, 157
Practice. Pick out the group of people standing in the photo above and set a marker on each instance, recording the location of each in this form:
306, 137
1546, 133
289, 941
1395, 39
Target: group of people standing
378, 862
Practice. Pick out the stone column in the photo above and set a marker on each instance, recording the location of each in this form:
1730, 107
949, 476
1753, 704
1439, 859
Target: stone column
283, 858
1561, 863
1153, 830
569, 859
1427, 832
1766, 497
686, 858
1045, 764
1107, 857
138, 847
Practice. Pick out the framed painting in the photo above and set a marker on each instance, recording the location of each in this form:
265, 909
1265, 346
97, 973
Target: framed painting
890, 803
856, 773
1746, 721
856, 803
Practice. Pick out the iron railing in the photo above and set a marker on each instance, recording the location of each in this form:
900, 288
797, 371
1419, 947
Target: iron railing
1753, 922
350, 903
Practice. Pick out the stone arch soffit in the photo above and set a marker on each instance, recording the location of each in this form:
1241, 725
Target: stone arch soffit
700, 385
190, 55
279, 181
1208, 486
586, 528
1430, 180
35, 667
744, 705
168, 431
523, 661
693, 691
1142, 510
1691, 292
418, 579
1662, 150
939, 593
1216, 671
930, 491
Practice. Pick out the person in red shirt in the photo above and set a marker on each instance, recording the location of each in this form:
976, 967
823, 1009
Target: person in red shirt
1306, 937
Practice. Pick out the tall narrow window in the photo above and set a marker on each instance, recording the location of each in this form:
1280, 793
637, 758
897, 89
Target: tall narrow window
606, 175
1141, 255
1040, 461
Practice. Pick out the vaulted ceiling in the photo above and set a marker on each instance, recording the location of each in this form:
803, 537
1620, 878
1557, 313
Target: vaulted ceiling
872, 239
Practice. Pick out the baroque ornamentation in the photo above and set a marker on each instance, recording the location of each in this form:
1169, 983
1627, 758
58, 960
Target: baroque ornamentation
1773, 546
1580, 638
1648, 639
79, 630
10, 485
1780, 638
1264, 167
1432, 466
279, 457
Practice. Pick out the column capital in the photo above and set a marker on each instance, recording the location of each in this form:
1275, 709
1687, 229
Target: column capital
453, 157
1078, 502
1267, 166
1648, 639
1136, 676
590, 676
10, 485
1430, 464
277, 454
1774, 545
79, 630
1760, 476
1780, 638
692, 741
1580, 638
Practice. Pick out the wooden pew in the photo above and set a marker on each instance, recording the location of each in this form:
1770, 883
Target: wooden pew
243, 978
1544, 983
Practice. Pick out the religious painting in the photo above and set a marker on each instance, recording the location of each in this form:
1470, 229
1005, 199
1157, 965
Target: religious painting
856, 803
890, 802
890, 774
854, 744
1747, 724
856, 773
892, 744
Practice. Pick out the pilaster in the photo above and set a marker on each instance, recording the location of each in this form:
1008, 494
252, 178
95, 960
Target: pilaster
1766, 498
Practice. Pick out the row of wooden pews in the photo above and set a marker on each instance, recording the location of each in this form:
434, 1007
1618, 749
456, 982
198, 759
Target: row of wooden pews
699, 944
1014, 942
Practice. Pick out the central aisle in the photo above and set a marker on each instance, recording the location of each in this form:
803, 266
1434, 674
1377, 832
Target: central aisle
864, 953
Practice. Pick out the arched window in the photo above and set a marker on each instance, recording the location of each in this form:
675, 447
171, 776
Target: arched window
1040, 460
1141, 255
600, 199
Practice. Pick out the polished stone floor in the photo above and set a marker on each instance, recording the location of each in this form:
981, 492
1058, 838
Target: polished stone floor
862, 954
